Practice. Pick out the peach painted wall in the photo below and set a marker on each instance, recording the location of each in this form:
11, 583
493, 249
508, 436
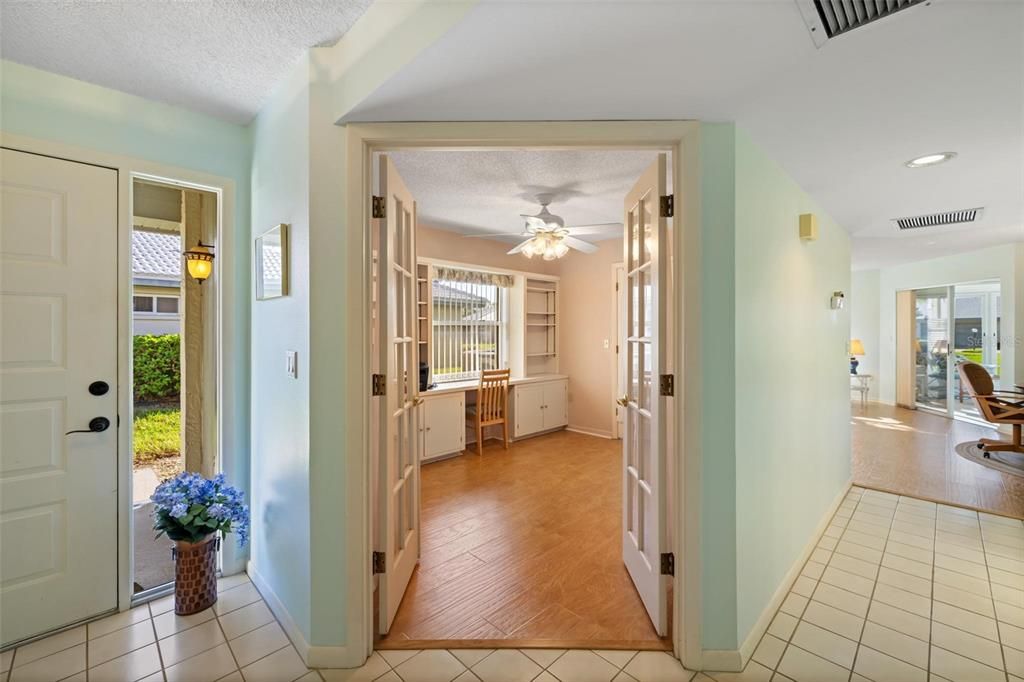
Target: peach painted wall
587, 294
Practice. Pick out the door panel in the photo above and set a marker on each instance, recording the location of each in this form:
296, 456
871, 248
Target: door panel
556, 405
643, 444
444, 424
58, 493
529, 413
400, 460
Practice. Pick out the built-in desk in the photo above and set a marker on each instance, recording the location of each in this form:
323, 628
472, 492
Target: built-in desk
537, 404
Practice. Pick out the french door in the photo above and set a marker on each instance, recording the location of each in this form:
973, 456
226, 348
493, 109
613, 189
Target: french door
398, 535
644, 531
58, 388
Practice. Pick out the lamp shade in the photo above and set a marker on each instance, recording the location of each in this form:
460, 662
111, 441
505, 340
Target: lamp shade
856, 347
199, 260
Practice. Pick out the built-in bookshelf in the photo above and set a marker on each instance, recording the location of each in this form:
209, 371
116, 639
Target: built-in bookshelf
424, 312
540, 309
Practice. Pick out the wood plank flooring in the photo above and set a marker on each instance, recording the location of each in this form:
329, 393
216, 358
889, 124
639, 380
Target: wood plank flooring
523, 548
910, 452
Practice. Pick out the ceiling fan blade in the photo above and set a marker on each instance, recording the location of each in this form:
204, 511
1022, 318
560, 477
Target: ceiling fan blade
519, 247
579, 245
596, 228
498, 234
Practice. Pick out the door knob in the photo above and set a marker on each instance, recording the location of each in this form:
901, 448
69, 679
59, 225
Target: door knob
96, 425
624, 400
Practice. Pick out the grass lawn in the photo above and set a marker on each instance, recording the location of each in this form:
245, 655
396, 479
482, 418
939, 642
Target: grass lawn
157, 440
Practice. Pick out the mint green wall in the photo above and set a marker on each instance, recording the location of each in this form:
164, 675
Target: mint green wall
776, 449
280, 404
792, 376
47, 106
718, 344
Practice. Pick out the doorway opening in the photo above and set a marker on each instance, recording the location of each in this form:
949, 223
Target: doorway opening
555, 266
173, 335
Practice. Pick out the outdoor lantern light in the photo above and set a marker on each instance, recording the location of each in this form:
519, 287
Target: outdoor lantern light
199, 260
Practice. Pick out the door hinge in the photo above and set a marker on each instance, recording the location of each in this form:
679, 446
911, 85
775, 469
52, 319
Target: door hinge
377, 204
379, 564
378, 384
668, 205
667, 386
616, 286
668, 563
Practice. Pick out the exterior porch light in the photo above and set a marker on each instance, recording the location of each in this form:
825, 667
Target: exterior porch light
199, 260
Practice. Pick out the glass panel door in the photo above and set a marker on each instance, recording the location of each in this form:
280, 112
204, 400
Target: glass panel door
932, 352
976, 324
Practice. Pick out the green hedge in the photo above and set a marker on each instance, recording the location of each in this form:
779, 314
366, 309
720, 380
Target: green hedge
157, 366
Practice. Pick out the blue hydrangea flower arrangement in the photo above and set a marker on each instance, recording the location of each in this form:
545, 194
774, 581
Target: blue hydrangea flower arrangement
189, 507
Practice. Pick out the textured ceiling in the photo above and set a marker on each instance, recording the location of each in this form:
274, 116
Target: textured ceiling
841, 120
222, 58
485, 191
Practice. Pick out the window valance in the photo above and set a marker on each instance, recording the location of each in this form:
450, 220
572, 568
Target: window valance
449, 274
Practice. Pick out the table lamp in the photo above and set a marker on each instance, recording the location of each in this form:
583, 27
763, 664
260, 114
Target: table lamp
856, 348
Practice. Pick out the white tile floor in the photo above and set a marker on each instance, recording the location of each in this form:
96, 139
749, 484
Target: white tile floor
901, 590
898, 590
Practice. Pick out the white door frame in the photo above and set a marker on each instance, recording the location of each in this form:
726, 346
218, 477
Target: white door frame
618, 358
361, 141
221, 283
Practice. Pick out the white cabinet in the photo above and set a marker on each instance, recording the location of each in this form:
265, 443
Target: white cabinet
541, 406
443, 425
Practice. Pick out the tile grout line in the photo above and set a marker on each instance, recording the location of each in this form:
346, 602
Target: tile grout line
931, 600
227, 642
874, 586
992, 599
800, 618
156, 641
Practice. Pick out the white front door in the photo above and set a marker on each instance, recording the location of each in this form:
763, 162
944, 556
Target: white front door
58, 336
400, 447
644, 534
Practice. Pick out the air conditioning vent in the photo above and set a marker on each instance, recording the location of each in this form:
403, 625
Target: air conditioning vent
968, 215
830, 18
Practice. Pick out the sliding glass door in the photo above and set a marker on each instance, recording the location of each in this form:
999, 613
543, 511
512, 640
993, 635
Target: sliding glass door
932, 352
976, 325
954, 324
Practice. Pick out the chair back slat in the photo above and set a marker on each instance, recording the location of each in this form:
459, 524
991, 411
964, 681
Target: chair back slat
492, 395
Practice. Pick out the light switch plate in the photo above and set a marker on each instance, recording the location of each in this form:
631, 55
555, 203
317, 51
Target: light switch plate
292, 364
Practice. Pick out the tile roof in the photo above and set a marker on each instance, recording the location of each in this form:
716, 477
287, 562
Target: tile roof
156, 254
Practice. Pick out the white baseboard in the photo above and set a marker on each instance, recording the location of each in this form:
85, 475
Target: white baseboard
735, 661
590, 432
312, 656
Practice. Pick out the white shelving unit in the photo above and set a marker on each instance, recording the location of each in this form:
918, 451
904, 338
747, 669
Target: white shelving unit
540, 326
424, 308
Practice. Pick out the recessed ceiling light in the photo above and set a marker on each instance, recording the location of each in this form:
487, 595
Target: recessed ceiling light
930, 159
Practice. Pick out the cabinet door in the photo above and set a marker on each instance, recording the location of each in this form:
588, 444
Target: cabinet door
556, 405
529, 409
444, 425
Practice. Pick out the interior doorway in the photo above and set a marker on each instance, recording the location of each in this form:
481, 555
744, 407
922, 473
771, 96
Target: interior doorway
491, 547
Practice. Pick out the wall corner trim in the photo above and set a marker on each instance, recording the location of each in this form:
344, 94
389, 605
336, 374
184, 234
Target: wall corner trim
312, 656
736, 660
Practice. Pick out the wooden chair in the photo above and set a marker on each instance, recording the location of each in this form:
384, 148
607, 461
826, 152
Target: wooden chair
491, 405
998, 407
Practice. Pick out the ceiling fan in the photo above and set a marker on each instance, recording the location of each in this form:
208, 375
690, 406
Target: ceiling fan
548, 236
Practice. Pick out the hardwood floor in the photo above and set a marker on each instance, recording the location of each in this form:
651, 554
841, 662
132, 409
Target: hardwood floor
910, 452
522, 546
